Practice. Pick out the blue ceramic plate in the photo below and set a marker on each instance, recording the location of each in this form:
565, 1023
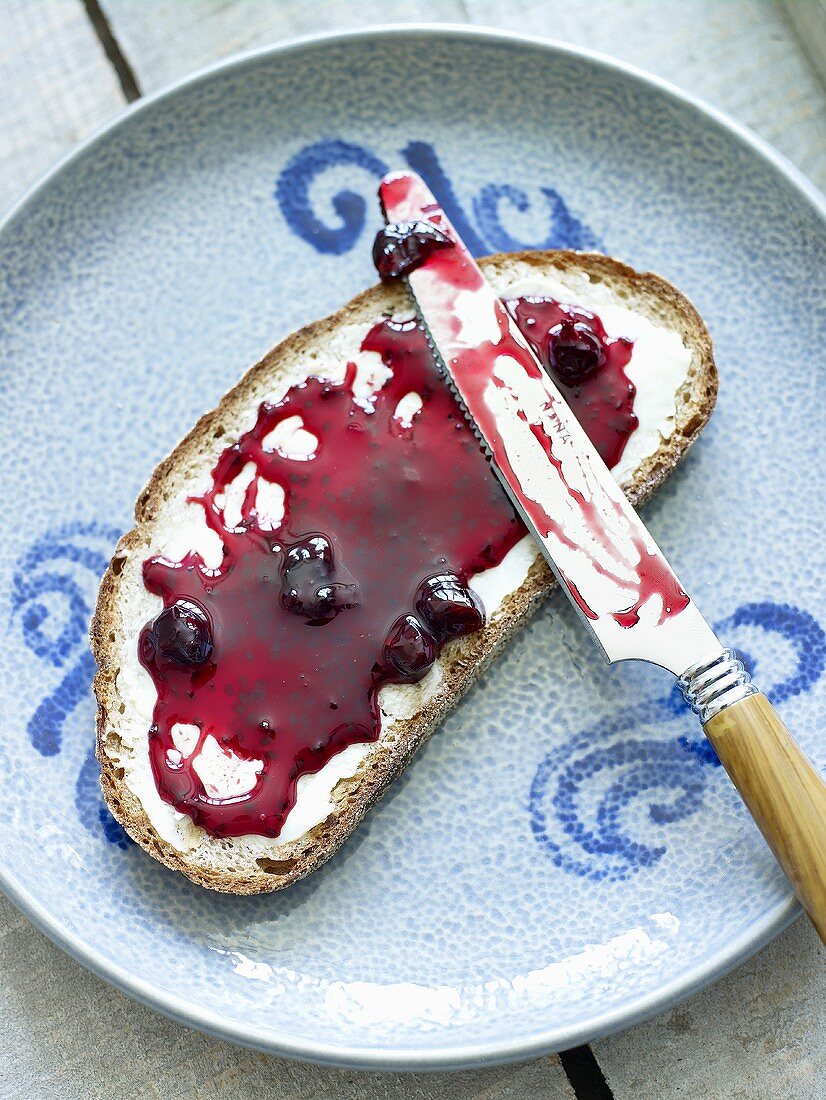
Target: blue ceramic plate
565, 856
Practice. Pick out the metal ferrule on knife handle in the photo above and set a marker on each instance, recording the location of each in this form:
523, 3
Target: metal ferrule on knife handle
616, 577
711, 685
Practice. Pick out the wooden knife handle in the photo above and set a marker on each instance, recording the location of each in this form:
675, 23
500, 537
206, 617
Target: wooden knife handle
783, 792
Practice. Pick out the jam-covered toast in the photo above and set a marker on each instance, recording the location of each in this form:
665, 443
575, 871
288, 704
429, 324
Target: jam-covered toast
325, 563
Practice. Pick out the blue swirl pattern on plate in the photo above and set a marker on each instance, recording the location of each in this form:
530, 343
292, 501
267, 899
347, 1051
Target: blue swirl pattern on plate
295, 187
583, 832
53, 592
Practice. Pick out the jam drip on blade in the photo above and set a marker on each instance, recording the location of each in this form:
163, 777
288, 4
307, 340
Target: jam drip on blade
344, 534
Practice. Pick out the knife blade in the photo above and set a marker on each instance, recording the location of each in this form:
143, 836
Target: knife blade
618, 580
606, 561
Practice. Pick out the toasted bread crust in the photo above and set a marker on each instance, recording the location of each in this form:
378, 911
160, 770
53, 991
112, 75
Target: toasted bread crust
462, 662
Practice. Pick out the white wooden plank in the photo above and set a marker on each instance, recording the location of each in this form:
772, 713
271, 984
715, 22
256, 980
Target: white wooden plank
165, 39
739, 55
56, 84
759, 1034
65, 1035
808, 20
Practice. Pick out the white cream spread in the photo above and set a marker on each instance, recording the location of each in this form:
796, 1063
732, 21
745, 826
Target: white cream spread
658, 367
290, 439
407, 409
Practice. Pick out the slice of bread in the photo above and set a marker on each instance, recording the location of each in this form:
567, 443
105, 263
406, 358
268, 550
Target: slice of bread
125, 694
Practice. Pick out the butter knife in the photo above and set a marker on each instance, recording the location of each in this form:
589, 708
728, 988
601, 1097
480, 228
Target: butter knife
615, 575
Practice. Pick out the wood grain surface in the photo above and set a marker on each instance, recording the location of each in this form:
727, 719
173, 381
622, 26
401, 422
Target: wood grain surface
56, 86
758, 1034
808, 20
165, 39
784, 794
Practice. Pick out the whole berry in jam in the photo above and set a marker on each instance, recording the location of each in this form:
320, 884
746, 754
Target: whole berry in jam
448, 608
574, 352
400, 248
180, 637
409, 650
313, 548
311, 587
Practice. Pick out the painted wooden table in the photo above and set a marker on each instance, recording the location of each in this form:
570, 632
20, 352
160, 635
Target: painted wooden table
68, 65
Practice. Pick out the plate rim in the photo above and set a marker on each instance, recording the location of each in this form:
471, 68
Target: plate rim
461, 1056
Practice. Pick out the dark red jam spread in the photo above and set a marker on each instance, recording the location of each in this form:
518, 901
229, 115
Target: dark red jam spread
587, 366
279, 653
402, 247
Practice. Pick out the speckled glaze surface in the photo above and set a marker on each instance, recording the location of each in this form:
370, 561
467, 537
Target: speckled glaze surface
564, 856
